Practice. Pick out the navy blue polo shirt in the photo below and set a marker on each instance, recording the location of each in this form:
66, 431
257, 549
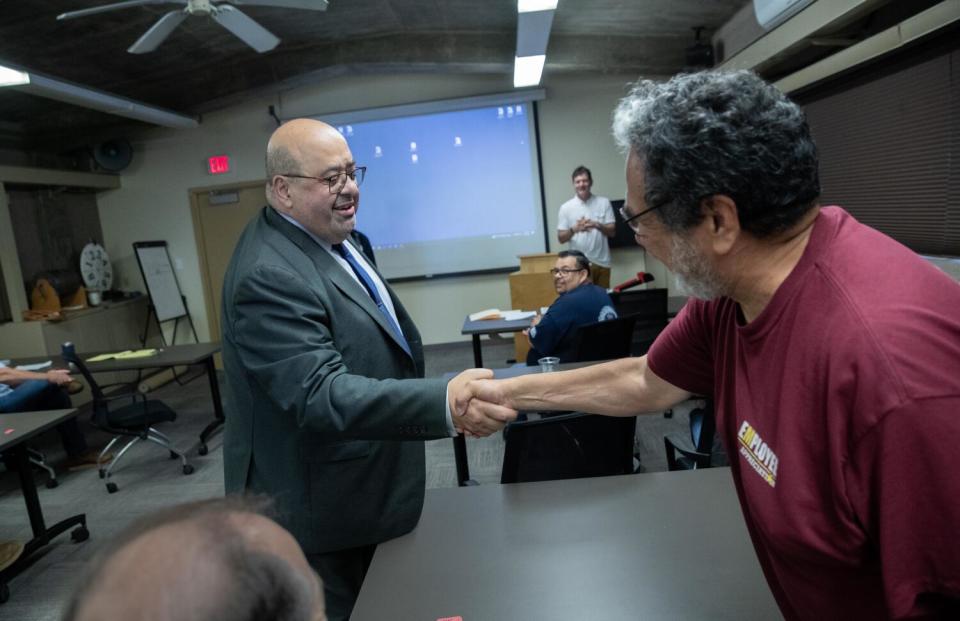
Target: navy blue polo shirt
555, 335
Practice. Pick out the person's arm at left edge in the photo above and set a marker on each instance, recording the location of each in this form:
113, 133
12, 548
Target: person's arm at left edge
13, 377
283, 339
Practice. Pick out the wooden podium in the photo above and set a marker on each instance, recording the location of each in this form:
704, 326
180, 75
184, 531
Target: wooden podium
531, 288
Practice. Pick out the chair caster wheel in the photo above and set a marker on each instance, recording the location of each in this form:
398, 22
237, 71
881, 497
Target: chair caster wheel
4, 592
111, 487
52, 483
79, 534
102, 474
202, 450
188, 469
173, 455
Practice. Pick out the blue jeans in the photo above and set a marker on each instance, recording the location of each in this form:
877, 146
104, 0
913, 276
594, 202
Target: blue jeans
42, 395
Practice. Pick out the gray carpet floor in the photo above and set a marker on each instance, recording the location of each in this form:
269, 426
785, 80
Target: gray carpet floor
148, 480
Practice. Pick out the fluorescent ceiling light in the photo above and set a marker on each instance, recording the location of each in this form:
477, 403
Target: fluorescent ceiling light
527, 70
60, 90
13, 77
529, 6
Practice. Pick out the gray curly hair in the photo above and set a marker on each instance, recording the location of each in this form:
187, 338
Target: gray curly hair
717, 132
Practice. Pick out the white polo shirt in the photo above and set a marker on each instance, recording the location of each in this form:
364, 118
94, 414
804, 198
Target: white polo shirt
592, 243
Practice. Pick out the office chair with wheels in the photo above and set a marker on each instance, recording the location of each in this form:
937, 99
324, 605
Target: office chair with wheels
568, 446
134, 420
696, 451
604, 340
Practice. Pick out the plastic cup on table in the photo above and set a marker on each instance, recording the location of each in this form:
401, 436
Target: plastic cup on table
548, 364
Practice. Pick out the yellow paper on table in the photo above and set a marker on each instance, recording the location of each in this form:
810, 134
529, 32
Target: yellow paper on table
140, 353
124, 355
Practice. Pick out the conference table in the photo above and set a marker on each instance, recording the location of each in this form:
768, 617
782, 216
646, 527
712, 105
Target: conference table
168, 356
15, 430
478, 328
669, 545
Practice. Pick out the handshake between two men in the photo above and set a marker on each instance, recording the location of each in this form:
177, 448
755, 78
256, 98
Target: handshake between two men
478, 408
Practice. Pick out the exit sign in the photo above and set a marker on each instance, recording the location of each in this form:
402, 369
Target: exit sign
218, 164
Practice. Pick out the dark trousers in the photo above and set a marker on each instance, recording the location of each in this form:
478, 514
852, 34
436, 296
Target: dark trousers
342, 573
36, 395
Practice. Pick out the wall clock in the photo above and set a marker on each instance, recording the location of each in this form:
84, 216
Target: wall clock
95, 268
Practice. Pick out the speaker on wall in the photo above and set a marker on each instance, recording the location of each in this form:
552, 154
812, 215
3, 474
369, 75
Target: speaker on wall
113, 155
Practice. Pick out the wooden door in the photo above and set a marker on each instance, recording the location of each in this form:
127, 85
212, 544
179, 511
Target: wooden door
220, 214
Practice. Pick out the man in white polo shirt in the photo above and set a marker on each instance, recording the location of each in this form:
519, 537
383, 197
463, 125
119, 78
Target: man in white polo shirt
586, 221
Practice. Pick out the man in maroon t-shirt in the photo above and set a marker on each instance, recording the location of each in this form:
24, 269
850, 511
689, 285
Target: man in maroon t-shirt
837, 393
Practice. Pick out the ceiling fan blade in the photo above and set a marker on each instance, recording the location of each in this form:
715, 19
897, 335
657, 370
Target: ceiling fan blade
114, 7
245, 29
158, 32
310, 5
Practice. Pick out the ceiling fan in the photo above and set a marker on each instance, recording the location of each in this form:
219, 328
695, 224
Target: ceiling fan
244, 28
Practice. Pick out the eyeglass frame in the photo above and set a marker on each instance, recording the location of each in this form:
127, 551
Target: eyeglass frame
556, 271
334, 189
626, 220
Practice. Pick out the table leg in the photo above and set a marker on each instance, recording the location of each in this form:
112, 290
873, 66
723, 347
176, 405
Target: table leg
477, 356
217, 423
29, 489
459, 442
41, 534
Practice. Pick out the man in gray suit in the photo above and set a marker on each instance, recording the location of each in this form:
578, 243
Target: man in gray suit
327, 413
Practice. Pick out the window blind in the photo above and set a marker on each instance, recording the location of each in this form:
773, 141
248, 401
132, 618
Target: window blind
889, 142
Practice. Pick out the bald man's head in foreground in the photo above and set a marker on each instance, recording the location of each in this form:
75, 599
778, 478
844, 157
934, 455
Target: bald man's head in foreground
214, 559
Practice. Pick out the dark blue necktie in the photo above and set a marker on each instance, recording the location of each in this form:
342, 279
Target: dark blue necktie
372, 290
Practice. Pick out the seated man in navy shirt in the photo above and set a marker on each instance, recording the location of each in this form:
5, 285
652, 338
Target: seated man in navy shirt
580, 302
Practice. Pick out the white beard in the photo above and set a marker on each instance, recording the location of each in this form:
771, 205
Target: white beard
694, 275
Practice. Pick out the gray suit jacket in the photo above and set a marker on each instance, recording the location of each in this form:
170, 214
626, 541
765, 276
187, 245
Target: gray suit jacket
321, 407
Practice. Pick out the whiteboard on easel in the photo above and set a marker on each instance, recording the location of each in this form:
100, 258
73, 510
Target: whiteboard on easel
161, 282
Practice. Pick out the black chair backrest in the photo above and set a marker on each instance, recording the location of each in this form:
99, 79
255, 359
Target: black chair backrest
101, 413
74, 359
696, 451
703, 427
643, 303
649, 306
604, 340
568, 446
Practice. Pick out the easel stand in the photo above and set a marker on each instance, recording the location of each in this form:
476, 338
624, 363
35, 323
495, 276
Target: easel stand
167, 303
152, 312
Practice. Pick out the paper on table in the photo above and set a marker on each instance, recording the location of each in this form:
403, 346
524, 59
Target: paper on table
514, 315
140, 353
36, 366
490, 313
124, 355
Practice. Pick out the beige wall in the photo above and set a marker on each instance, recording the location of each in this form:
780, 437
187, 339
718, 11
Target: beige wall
154, 200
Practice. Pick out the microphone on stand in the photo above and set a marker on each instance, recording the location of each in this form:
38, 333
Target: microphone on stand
642, 277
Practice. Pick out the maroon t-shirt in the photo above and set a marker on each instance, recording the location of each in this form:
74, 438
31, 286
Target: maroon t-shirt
840, 408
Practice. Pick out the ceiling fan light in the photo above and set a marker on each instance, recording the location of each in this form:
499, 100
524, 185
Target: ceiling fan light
527, 70
13, 77
529, 6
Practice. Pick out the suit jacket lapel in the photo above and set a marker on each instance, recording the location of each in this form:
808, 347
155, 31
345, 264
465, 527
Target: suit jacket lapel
329, 267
